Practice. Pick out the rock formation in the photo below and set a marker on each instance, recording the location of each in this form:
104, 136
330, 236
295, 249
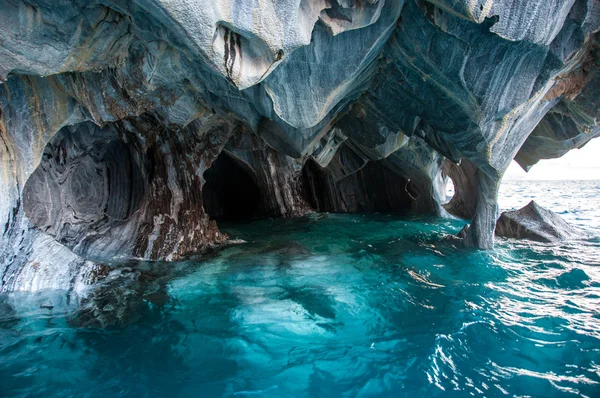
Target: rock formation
125, 123
533, 222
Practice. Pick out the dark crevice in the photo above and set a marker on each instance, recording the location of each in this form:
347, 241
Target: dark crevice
315, 181
230, 192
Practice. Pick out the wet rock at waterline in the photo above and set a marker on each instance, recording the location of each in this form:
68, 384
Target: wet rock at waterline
131, 129
533, 222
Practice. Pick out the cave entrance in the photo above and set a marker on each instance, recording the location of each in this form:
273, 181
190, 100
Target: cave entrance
230, 192
449, 190
373, 188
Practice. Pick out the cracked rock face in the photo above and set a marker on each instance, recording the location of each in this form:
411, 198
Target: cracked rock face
129, 129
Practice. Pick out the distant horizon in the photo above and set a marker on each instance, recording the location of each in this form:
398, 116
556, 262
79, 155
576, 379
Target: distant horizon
560, 179
577, 165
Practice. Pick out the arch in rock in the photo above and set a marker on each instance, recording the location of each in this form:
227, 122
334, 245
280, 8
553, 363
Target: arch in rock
230, 192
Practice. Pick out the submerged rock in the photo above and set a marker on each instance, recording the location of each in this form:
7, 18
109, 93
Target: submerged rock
533, 222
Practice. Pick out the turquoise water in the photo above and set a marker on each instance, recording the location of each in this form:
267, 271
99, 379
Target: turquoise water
332, 305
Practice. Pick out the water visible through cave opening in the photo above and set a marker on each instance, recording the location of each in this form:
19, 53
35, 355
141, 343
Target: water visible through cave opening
449, 190
230, 192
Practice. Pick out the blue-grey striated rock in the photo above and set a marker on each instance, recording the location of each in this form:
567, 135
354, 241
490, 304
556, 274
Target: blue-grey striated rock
124, 123
533, 222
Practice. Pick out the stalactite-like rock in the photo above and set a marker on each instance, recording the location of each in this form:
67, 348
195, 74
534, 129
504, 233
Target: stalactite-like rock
124, 123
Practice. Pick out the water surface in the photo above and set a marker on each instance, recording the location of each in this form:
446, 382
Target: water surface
335, 305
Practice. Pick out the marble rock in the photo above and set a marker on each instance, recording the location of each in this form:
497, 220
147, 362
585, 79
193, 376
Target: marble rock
128, 127
533, 222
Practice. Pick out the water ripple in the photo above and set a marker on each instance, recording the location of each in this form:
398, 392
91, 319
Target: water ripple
335, 306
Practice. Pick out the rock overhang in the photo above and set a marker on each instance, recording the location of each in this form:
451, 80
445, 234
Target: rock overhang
396, 84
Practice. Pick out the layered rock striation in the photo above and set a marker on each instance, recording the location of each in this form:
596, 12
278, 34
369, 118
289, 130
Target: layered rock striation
129, 127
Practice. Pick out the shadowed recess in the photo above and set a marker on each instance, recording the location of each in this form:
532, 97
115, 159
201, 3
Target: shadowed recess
373, 188
230, 192
88, 178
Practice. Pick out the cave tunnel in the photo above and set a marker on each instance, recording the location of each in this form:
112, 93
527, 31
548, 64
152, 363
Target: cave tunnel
230, 192
373, 188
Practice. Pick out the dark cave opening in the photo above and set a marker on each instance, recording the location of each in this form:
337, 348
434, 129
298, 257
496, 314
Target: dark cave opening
230, 192
315, 181
373, 188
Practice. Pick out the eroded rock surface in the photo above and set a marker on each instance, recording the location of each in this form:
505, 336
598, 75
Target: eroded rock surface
533, 222
128, 127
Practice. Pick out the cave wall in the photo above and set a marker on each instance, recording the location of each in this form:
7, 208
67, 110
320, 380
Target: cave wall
111, 112
121, 192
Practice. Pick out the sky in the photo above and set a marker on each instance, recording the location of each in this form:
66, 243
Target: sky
578, 164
